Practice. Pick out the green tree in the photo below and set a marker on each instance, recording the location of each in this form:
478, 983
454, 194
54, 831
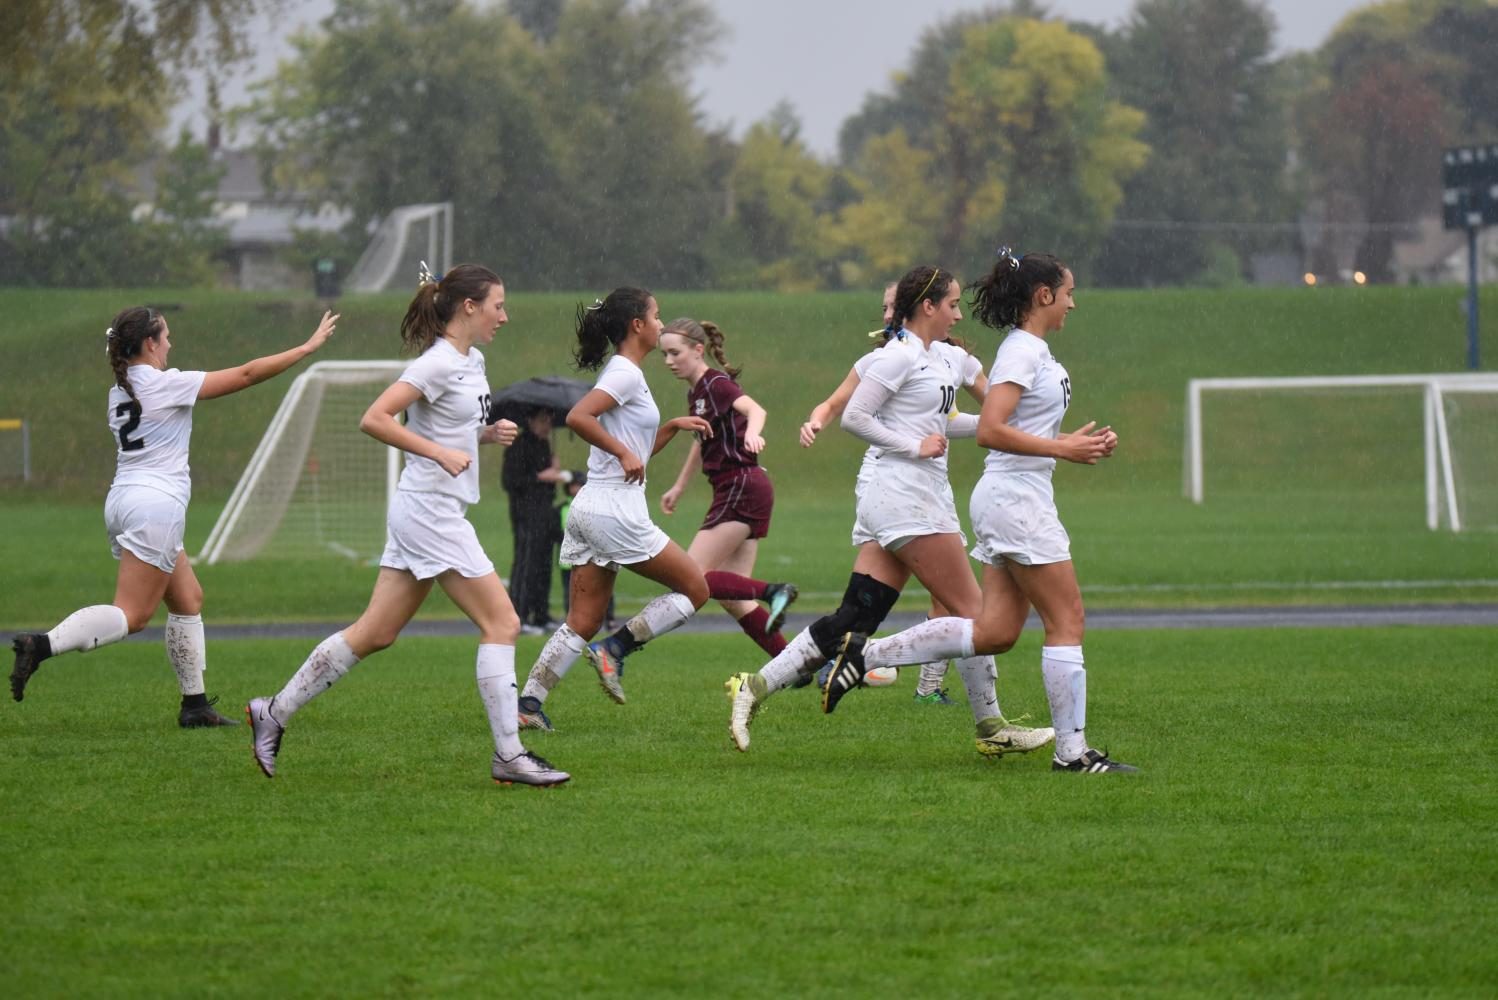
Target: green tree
1018, 140
1204, 76
576, 162
86, 90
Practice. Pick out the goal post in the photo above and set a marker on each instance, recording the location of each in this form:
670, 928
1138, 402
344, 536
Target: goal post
1452, 472
407, 236
15, 449
315, 483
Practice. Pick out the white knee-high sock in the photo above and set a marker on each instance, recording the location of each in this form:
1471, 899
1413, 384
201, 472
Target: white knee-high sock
935, 639
321, 670
1066, 690
89, 628
496, 677
557, 657
980, 675
799, 656
932, 674
185, 650
660, 616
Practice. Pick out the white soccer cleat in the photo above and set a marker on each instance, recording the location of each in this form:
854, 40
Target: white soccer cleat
747, 693
998, 736
526, 768
265, 733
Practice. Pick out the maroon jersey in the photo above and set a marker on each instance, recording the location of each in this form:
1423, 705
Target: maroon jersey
712, 399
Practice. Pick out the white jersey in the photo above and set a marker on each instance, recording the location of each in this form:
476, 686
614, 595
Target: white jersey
452, 410
152, 430
1025, 360
924, 382
634, 421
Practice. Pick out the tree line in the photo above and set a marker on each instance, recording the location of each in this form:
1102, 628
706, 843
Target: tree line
568, 137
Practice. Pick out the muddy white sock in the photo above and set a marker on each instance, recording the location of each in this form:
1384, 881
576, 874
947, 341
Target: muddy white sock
1066, 690
935, 639
932, 674
321, 670
557, 657
981, 678
185, 650
800, 656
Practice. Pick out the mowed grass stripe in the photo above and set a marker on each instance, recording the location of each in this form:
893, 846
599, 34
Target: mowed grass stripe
1315, 816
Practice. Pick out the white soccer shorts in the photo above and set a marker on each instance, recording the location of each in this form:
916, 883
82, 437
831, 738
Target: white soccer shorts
145, 522
1014, 517
610, 526
426, 535
897, 504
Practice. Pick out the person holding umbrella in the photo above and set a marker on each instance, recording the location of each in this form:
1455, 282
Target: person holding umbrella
531, 472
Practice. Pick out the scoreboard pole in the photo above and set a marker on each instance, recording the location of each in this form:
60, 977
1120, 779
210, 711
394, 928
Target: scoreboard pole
1473, 358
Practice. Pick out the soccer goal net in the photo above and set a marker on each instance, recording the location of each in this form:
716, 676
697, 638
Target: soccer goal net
316, 484
406, 237
1350, 443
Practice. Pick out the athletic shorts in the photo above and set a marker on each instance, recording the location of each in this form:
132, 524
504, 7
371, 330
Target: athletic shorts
742, 494
897, 503
610, 526
1014, 517
426, 535
145, 522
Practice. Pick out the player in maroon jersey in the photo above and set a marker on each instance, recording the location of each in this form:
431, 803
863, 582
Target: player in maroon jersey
728, 541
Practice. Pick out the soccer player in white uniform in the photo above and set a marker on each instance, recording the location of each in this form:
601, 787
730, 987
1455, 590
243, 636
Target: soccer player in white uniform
444, 394
928, 689
906, 519
1025, 551
145, 513
609, 524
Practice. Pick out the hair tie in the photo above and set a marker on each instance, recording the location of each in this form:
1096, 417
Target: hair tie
884, 334
1007, 254
424, 275
108, 336
597, 305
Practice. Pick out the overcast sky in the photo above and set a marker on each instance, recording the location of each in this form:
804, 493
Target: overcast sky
821, 55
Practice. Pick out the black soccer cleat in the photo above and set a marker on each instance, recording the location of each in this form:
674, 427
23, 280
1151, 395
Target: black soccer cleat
203, 716
31, 649
1092, 762
847, 671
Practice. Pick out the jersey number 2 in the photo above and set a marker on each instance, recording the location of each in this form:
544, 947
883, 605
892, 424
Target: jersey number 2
126, 442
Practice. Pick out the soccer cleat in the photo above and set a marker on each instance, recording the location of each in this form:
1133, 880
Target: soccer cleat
266, 734
847, 671
822, 675
532, 716
998, 736
747, 692
780, 596
1092, 762
610, 666
937, 697
31, 649
526, 768
203, 717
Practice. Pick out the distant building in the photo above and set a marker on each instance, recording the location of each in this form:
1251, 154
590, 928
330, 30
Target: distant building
1437, 256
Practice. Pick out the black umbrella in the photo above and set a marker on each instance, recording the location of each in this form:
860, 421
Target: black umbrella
549, 392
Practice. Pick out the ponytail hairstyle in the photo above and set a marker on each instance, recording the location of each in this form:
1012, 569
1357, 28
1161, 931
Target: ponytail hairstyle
126, 337
920, 284
437, 301
1002, 299
606, 323
709, 335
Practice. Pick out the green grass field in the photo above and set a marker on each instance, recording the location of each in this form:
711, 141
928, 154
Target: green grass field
1315, 817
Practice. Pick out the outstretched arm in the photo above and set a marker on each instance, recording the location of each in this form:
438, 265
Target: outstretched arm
668, 430
231, 380
829, 409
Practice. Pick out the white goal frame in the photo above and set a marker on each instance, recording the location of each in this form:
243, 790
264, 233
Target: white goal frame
1439, 478
375, 270
228, 519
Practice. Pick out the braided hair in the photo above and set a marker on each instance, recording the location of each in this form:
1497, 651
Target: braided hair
126, 337
709, 335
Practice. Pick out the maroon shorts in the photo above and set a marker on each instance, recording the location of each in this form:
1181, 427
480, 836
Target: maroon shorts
742, 494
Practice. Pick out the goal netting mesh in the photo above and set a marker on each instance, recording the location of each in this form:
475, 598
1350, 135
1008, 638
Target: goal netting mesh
316, 484
404, 238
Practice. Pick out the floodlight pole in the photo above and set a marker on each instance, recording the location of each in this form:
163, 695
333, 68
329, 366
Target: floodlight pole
1472, 326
